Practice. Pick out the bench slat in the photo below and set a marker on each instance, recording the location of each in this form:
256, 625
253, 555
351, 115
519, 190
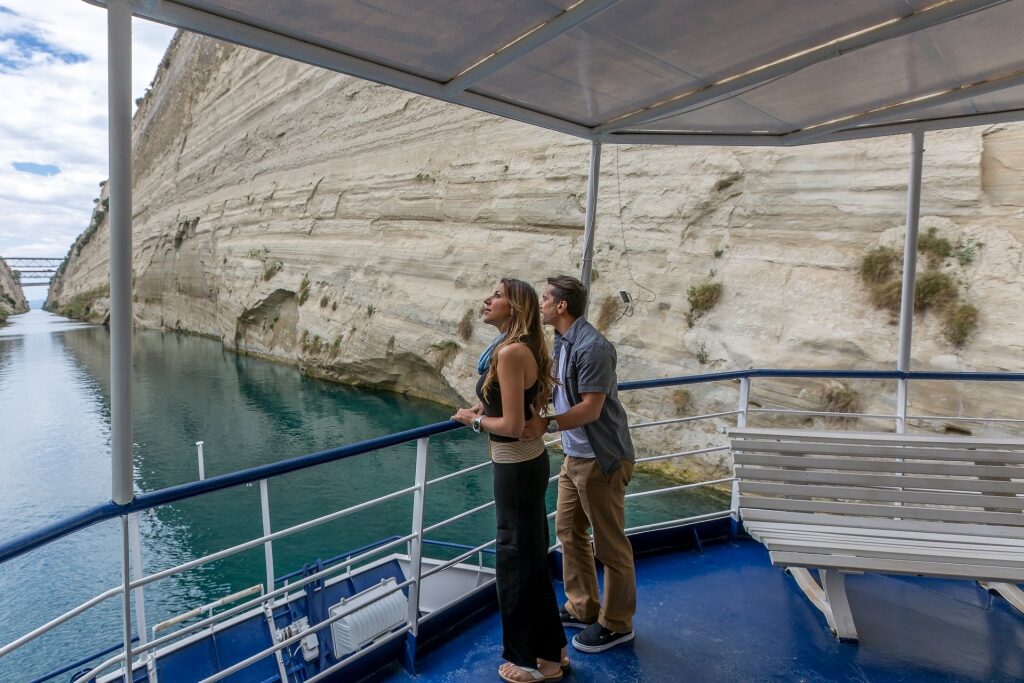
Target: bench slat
883, 535
891, 511
887, 566
869, 450
879, 438
982, 531
773, 537
859, 464
863, 479
936, 553
887, 495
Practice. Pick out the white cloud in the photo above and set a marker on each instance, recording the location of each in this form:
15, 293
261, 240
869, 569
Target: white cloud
53, 76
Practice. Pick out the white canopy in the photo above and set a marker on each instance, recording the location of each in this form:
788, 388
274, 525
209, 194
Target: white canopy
724, 72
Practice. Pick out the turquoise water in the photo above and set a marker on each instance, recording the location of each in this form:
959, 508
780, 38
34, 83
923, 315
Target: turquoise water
55, 460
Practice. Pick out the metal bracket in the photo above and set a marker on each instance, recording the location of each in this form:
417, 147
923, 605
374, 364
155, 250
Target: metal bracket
1008, 591
830, 598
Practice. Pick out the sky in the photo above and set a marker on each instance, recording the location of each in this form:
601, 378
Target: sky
53, 117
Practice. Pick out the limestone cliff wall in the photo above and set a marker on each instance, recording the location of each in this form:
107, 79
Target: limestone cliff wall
353, 229
12, 297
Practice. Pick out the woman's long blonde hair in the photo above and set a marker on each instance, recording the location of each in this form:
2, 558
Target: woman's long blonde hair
524, 327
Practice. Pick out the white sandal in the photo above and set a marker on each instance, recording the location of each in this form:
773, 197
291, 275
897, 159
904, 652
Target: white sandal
534, 674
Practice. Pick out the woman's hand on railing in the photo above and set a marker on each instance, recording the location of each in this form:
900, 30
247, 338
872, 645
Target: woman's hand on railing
465, 416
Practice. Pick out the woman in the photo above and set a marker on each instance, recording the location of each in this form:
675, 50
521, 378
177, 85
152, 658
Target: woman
515, 378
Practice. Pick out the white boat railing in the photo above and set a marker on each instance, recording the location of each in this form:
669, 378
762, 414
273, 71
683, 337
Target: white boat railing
143, 654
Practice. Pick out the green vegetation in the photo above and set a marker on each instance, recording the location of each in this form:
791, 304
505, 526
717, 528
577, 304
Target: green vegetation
465, 328
966, 250
878, 265
271, 268
934, 248
934, 290
887, 296
312, 345
370, 310
719, 252
681, 399
702, 298
836, 397
80, 306
324, 301
304, 289
702, 354
960, 322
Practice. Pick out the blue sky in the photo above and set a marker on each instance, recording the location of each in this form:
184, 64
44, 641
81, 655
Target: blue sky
53, 118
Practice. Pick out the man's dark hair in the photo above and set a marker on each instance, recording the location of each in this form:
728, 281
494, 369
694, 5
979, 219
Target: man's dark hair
570, 290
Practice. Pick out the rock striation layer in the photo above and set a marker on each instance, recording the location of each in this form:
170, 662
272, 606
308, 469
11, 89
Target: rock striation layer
353, 229
12, 297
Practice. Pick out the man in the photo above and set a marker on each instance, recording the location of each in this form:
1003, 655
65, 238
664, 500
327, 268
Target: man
597, 467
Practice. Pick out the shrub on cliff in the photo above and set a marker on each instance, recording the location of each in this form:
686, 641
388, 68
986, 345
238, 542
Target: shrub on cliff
877, 266
702, 298
960, 322
934, 248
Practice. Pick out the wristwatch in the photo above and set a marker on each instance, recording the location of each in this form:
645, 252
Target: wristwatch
476, 424
552, 426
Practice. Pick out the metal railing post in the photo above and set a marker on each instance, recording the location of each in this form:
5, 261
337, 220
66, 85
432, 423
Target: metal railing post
126, 595
416, 552
741, 422
268, 547
135, 537
202, 460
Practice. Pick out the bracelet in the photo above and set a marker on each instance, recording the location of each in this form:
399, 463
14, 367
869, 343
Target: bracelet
478, 424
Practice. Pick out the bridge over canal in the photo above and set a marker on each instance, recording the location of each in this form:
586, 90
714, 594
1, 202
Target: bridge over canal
33, 271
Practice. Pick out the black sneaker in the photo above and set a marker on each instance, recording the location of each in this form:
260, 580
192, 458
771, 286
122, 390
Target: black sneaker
569, 621
596, 638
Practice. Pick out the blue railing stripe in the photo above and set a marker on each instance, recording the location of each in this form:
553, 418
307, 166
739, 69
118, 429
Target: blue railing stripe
175, 493
56, 530
822, 374
110, 510
34, 539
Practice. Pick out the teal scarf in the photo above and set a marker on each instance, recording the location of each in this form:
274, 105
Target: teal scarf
485, 357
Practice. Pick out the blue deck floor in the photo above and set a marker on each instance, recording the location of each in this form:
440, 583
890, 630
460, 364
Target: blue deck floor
727, 615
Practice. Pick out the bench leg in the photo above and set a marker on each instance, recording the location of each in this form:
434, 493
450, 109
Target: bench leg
1008, 591
830, 598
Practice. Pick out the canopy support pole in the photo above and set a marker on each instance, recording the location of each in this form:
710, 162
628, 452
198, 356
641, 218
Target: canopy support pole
119, 105
119, 112
591, 216
909, 273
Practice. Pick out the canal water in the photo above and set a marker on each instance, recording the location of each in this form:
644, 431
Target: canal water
55, 461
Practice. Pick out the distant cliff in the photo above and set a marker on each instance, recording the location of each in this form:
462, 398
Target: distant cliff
353, 229
12, 298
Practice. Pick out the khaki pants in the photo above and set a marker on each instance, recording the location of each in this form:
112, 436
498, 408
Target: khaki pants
587, 498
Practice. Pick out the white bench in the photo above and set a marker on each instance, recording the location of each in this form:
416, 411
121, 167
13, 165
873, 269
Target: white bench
855, 502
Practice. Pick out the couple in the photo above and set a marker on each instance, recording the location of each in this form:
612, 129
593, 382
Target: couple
517, 370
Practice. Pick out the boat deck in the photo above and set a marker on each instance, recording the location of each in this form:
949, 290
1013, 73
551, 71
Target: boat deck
725, 614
